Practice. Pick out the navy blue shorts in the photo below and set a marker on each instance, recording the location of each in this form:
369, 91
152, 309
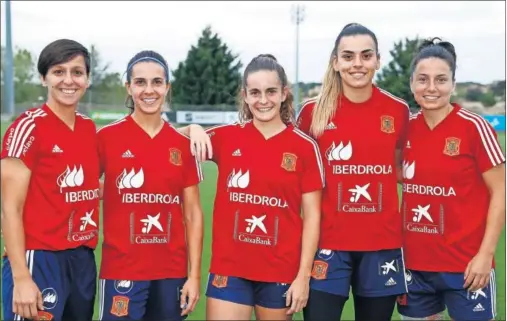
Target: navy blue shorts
430, 293
371, 274
140, 300
67, 280
269, 295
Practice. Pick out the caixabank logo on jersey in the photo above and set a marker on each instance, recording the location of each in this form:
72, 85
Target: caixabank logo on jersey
240, 180
150, 228
259, 229
86, 227
130, 186
360, 198
70, 182
423, 218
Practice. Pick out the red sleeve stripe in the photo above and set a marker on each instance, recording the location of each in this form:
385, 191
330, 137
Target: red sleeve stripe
177, 131
414, 116
23, 129
225, 125
83, 116
116, 122
398, 99
317, 153
199, 170
306, 103
488, 138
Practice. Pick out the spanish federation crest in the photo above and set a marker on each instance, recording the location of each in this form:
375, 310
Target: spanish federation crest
220, 281
43, 315
120, 306
387, 124
319, 271
175, 156
452, 146
289, 162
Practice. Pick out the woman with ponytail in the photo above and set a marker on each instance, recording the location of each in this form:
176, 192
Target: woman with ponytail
453, 198
266, 214
360, 130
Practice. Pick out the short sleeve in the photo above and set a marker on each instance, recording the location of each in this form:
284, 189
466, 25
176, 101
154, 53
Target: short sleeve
304, 118
21, 141
403, 132
487, 151
217, 135
192, 170
313, 168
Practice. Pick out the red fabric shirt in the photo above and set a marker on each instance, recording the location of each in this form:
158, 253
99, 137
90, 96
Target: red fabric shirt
62, 203
144, 178
445, 200
360, 206
257, 225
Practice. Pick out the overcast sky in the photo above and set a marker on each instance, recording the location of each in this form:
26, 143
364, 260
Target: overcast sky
121, 29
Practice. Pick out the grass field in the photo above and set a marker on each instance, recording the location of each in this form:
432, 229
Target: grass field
207, 189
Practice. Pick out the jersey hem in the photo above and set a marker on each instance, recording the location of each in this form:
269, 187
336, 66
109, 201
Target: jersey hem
115, 277
42, 248
334, 247
252, 277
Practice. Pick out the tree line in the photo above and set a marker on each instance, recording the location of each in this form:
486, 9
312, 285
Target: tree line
210, 76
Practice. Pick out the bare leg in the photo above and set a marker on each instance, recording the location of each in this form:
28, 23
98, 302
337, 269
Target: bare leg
224, 310
262, 313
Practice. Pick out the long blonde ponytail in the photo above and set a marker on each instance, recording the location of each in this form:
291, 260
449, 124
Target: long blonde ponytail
325, 106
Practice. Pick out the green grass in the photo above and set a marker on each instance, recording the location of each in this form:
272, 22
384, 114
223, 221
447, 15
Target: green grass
207, 188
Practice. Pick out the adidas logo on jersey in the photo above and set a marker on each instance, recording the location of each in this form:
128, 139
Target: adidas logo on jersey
330, 126
237, 152
408, 144
390, 282
478, 308
127, 154
57, 149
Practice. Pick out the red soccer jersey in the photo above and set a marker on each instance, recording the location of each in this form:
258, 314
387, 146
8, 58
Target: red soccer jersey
360, 206
144, 178
62, 201
445, 200
257, 224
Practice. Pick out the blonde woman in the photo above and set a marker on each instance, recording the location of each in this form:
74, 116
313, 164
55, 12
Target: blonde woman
360, 130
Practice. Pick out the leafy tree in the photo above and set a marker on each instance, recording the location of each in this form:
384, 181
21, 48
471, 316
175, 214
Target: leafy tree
106, 87
498, 88
24, 76
488, 99
395, 76
98, 69
209, 75
473, 94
